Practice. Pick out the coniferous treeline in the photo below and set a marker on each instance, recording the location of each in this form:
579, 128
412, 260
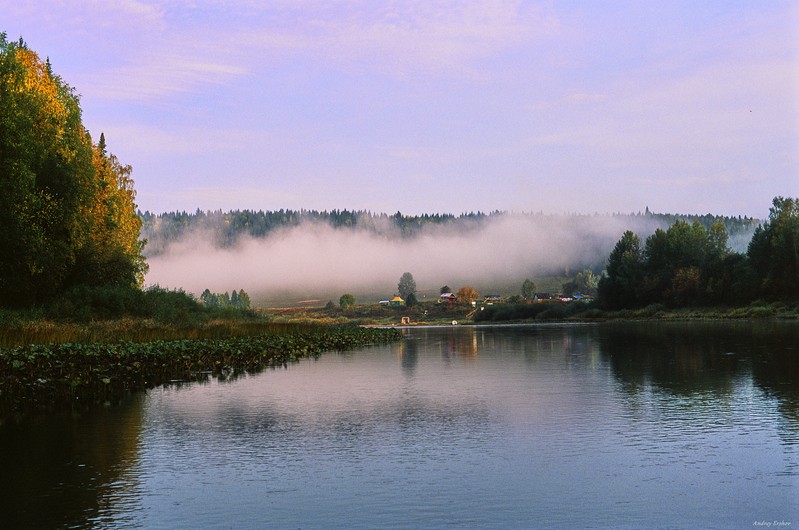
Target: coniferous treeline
161, 230
236, 300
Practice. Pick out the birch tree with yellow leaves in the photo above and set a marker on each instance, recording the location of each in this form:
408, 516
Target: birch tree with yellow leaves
67, 212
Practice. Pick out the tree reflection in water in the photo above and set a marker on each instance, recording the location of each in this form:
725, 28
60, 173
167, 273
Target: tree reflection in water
67, 469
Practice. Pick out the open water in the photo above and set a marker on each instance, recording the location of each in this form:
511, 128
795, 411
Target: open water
636, 425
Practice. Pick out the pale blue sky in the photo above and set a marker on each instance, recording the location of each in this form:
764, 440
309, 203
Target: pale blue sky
432, 106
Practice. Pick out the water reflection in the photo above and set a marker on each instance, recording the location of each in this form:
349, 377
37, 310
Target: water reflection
699, 379
504, 427
78, 464
691, 360
409, 353
695, 358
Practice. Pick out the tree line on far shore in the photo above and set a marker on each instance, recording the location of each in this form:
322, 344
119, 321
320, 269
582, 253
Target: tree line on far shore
226, 228
688, 265
685, 265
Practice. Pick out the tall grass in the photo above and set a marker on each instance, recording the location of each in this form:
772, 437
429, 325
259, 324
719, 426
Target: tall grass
137, 330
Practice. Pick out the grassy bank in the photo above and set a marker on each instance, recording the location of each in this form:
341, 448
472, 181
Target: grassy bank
108, 314
440, 314
575, 311
40, 377
94, 345
371, 314
48, 361
48, 331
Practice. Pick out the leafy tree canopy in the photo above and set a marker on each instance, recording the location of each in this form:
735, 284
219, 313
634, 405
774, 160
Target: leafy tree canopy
528, 289
467, 294
689, 264
235, 300
346, 301
624, 273
67, 212
774, 249
406, 285
411, 301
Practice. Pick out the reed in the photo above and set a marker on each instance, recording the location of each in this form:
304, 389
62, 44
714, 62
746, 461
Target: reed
20, 333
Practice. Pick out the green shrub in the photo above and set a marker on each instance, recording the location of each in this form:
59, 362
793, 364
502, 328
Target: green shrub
173, 307
84, 303
541, 311
593, 313
761, 312
176, 307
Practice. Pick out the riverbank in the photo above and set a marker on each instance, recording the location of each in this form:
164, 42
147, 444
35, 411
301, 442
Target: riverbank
24, 331
45, 377
46, 365
441, 314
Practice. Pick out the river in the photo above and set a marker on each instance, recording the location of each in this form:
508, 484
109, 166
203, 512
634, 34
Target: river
633, 425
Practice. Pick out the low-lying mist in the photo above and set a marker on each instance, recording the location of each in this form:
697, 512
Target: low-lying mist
317, 261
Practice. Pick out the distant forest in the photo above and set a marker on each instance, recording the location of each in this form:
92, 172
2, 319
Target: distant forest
161, 230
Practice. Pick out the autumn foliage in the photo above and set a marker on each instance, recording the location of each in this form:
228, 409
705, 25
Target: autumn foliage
67, 212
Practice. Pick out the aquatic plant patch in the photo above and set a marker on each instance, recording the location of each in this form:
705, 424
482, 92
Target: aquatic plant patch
45, 377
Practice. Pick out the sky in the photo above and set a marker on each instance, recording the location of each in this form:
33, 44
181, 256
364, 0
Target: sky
435, 106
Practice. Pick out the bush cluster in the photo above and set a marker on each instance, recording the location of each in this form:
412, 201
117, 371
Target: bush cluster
536, 311
84, 304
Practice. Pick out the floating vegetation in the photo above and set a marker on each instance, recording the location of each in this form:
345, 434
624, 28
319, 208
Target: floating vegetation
44, 377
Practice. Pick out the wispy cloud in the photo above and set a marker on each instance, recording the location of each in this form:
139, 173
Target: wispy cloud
89, 16
403, 38
481, 104
156, 76
722, 178
571, 99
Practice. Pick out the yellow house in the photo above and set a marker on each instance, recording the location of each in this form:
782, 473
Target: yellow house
396, 302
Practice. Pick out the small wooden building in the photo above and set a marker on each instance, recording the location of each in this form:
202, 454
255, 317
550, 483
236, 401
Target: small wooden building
449, 298
397, 301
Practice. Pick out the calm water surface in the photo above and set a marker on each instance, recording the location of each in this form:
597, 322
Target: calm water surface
669, 425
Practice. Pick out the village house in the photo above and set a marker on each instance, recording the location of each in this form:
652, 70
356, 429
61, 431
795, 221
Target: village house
448, 298
397, 301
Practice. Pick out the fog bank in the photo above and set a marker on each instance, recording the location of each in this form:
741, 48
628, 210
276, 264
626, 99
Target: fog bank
314, 260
